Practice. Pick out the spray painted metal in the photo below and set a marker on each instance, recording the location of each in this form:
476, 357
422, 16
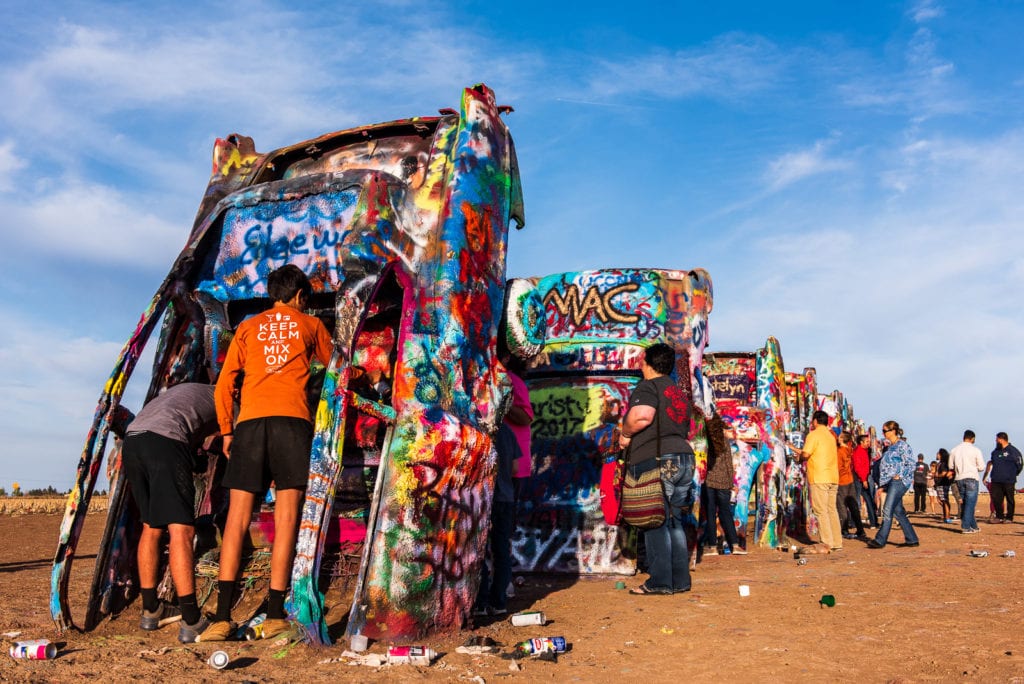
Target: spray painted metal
590, 345
750, 395
402, 230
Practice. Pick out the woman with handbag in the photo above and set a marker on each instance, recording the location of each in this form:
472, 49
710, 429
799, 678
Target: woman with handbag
659, 460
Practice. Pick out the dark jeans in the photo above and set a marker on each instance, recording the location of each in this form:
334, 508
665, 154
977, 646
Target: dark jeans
1000, 492
867, 493
494, 593
894, 510
920, 497
668, 561
968, 500
718, 500
849, 509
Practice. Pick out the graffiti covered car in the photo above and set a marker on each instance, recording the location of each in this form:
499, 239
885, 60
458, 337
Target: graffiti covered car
596, 327
749, 393
402, 230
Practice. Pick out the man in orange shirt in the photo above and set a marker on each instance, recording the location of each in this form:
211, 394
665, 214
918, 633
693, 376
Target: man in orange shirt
821, 454
271, 352
849, 507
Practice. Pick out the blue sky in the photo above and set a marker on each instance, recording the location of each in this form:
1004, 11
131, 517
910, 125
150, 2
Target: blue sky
849, 173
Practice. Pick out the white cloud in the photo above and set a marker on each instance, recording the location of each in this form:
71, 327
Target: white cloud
794, 166
926, 10
93, 223
10, 164
730, 66
50, 381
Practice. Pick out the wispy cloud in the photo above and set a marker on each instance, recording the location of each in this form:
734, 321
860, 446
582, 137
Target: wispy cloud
10, 164
730, 66
925, 10
89, 223
795, 166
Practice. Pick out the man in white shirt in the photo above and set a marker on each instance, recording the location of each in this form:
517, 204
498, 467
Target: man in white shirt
966, 461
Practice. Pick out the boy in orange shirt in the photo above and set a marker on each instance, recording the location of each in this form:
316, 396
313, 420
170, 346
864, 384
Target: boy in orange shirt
272, 439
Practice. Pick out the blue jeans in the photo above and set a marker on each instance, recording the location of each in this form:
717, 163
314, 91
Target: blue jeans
893, 508
969, 499
868, 494
668, 561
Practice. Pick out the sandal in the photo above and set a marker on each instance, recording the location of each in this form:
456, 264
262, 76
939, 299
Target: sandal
644, 590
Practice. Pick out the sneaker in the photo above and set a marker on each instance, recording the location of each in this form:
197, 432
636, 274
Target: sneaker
498, 611
221, 630
710, 550
739, 551
849, 535
948, 521
189, 634
165, 614
275, 627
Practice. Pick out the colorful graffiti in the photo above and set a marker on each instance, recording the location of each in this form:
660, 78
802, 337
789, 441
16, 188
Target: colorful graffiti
749, 389
597, 324
401, 225
802, 397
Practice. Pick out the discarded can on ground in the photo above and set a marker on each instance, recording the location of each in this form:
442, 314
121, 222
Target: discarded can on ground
253, 629
620, 585
979, 554
1009, 554
358, 643
533, 617
828, 600
218, 660
410, 655
542, 645
744, 590
37, 649
801, 561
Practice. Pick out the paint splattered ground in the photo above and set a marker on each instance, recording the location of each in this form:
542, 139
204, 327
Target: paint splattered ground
927, 614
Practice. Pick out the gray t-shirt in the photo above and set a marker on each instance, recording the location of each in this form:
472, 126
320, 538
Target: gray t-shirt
184, 413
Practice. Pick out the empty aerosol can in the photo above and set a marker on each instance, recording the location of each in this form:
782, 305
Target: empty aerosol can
253, 629
218, 660
541, 645
533, 617
979, 554
37, 649
410, 655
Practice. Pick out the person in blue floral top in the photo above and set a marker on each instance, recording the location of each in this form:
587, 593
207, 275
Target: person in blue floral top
896, 475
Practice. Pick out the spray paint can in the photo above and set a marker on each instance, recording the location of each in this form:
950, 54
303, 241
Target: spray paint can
979, 554
218, 660
1010, 554
37, 649
533, 617
542, 645
253, 629
410, 655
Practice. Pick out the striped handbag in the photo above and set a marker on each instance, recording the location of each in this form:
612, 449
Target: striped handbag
643, 500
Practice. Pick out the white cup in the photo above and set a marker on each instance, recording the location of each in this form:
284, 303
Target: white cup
744, 590
358, 643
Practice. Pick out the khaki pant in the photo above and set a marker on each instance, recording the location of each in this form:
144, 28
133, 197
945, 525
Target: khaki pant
823, 505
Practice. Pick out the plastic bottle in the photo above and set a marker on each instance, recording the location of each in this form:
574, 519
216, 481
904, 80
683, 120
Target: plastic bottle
541, 645
410, 655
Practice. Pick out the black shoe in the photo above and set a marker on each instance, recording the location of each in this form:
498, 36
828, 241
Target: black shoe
872, 544
849, 535
910, 544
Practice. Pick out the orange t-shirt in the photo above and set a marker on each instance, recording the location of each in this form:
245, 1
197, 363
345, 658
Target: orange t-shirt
273, 350
844, 456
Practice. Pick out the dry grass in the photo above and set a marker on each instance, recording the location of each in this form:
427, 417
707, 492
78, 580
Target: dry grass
25, 505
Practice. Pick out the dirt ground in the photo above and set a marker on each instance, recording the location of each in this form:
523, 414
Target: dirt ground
933, 613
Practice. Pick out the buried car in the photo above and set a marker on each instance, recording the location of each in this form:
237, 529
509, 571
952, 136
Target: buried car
402, 230
596, 325
749, 392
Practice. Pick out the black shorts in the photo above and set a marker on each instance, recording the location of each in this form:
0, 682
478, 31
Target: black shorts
265, 450
159, 471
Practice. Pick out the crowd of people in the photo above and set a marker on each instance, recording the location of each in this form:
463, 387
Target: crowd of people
267, 438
